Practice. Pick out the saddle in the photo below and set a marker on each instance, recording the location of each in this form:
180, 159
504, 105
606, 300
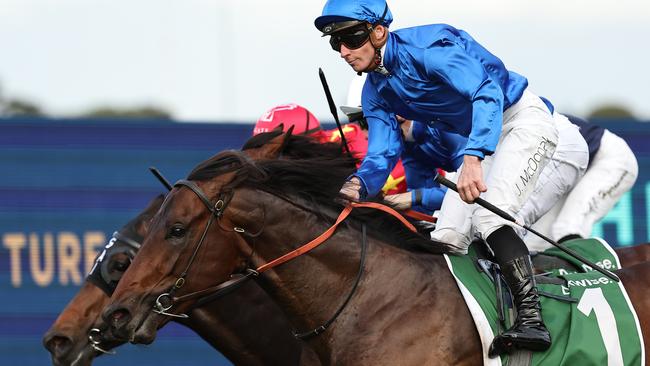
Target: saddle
542, 264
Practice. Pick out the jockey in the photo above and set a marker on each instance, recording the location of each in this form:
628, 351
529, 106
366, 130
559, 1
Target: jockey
427, 152
440, 75
290, 115
612, 171
304, 123
422, 149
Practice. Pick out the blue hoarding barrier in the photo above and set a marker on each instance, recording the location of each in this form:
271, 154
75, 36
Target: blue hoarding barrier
65, 187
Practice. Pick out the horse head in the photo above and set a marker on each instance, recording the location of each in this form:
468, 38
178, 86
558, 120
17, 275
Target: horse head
79, 334
215, 208
175, 250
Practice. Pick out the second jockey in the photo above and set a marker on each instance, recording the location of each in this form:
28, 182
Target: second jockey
305, 123
611, 171
424, 148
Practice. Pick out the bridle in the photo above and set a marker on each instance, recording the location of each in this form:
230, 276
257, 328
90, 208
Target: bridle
99, 276
216, 212
212, 293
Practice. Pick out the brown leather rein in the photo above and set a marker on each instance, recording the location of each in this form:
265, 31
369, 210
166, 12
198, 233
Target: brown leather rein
210, 294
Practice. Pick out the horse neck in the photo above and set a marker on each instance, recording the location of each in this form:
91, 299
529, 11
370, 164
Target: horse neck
330, 260
311, 287
247, 328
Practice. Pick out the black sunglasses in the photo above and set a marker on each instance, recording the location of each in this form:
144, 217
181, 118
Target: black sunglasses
352, 38
356, 36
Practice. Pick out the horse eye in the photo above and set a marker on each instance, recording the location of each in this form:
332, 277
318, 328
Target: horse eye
176, 232
120, 266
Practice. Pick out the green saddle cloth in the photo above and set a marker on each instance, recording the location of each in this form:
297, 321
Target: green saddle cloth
599, 326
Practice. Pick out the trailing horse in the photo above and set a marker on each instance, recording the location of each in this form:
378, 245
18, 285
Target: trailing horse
67, 340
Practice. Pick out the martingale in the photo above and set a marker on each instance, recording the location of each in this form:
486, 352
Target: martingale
590, 317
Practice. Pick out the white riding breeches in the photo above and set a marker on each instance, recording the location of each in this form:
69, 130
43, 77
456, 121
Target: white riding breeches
612, 172
528, 140
568, 164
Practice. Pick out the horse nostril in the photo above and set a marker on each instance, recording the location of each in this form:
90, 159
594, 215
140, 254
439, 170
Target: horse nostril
117, 317
118, 314
57, 344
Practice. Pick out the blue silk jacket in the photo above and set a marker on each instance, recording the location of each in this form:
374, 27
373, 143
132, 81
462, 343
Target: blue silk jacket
430, 149
439, 74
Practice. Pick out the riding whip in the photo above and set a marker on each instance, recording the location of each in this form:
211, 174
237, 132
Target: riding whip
330, 101
160, 177
451, 185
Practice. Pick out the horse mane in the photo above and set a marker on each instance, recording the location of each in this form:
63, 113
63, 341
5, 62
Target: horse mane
297, 146
314, 178
222, 163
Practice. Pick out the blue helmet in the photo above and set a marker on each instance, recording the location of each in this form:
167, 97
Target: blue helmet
340, 14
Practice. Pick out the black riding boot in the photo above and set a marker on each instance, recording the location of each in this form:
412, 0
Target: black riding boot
529, 331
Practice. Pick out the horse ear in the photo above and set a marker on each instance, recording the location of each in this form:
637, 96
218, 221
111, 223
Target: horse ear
285, 141
279, 128
274, 148
271, 149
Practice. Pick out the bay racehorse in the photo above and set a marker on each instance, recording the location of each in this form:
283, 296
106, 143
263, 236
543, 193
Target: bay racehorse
394, 317
233, 214
70, 325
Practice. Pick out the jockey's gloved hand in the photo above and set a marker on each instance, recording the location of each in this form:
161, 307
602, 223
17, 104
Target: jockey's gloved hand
351, 190
400, 201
